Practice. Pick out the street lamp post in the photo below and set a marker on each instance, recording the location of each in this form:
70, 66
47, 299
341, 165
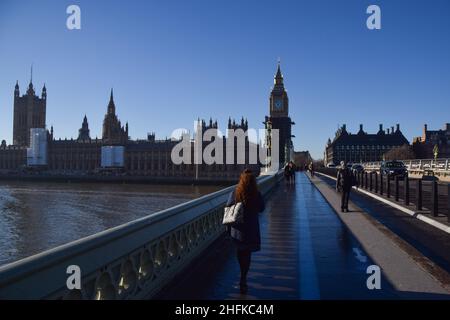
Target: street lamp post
268, 124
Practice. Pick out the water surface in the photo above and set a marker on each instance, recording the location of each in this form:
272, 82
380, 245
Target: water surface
35, 216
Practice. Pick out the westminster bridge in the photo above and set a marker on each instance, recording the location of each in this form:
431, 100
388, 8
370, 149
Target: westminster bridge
310, 250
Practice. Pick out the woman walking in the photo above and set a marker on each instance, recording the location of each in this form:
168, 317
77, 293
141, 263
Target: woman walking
246, 235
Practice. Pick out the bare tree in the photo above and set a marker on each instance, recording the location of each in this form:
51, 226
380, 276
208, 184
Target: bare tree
403, 152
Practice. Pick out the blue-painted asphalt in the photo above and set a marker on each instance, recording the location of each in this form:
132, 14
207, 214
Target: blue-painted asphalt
306, 253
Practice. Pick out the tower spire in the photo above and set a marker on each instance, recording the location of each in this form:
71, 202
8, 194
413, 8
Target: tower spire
111, 106
30, 90
31, 74
278, 76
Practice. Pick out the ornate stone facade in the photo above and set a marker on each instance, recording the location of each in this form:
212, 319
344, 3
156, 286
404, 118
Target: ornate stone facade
29, 112
147, 159
362, 147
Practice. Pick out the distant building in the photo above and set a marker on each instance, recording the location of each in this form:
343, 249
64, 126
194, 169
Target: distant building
362, 147
423, 146
29, 112
84, 155
302, 158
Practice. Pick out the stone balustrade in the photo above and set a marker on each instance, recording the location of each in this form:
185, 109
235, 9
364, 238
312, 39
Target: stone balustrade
131, 261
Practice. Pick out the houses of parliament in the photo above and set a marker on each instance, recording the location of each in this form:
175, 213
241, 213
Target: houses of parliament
146, 158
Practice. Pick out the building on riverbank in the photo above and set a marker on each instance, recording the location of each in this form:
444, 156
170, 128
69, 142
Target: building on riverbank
431, 141
362, 146
82, 157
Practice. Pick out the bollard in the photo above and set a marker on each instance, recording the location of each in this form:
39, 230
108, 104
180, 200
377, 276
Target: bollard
434, 198
381, 183
406, 190
396, 188
370, 181
388, 187
376, 182
361, 179
419, 195
365, 180
448, 202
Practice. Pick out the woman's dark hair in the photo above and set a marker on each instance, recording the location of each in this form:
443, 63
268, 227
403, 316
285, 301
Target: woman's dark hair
247, 189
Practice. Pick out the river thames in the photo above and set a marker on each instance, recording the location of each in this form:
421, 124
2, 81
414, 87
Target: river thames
36, 216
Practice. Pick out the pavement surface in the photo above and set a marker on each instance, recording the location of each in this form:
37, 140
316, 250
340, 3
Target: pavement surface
307, 253
411, 273
430, 241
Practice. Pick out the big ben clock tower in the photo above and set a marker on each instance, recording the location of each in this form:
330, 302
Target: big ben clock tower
279, 117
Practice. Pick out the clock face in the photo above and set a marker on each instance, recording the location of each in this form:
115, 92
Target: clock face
278, 104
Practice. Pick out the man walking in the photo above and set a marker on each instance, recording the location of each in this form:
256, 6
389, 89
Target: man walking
311, 169
344, 184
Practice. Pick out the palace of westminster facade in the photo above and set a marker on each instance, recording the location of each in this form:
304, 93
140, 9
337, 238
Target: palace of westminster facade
149, 158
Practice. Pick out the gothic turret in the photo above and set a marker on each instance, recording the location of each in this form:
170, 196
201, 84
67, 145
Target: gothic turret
44, 92
16, 90
113, 131
83, 132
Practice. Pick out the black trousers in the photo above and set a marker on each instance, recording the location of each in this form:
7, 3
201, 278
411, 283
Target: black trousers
344, 199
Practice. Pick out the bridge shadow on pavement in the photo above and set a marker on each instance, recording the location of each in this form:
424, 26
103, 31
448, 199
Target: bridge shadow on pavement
307, 253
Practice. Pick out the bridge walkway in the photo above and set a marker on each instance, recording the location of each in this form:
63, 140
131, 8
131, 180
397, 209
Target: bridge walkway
307, 253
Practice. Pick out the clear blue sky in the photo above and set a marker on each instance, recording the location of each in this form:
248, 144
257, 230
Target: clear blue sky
172, 61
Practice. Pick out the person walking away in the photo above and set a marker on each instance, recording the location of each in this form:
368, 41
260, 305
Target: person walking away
311, 169
292, 170
344, 184
287, 173
246, 235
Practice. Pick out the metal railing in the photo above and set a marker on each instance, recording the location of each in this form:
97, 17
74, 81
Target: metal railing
132, 261
424, 196
417, 168
438, 165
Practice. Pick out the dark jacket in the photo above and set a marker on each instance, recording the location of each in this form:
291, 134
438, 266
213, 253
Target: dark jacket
344, 179
247, 235
287, 171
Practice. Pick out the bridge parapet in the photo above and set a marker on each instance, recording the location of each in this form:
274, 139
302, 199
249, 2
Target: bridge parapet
131, 261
